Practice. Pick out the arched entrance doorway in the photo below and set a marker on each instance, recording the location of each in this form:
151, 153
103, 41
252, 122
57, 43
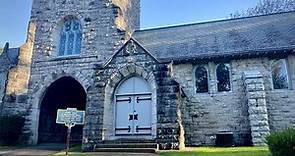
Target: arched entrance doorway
64, 93
133, 108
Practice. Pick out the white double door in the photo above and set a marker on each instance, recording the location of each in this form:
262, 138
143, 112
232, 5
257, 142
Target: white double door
133, 110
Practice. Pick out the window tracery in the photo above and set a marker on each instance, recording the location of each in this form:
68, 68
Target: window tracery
70, 38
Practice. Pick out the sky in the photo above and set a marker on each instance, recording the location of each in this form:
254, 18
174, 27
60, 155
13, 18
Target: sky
15, 14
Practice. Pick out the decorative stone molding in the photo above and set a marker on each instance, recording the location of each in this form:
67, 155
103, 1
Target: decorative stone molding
122, 74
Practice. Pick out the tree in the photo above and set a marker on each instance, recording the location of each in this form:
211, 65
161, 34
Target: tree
1, 50
265, 7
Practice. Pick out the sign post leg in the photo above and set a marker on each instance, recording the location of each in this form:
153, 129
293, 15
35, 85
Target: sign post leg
68, 140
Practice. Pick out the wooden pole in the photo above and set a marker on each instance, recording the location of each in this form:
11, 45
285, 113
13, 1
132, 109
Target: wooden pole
68, 140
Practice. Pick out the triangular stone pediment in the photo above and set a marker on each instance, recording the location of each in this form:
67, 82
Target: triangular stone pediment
131, 52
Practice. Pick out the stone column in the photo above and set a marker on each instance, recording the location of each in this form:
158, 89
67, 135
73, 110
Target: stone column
255, 95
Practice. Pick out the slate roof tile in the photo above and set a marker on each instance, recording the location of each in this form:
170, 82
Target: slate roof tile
218, 38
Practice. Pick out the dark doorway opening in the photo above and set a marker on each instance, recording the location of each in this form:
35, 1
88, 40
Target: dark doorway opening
64, 93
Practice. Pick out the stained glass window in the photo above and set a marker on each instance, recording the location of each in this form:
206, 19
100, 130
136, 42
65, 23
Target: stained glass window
280, 75
201, 75
70, 38
223, 78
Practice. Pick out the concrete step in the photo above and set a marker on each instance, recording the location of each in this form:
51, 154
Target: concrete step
119, 141
125, 150
127, 145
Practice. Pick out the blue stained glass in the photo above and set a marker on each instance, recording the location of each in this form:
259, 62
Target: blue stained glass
70, 44
68, 26
78, 43
70, 38
76, 26
62, 44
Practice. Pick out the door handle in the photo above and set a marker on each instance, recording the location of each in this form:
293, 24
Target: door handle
133, 117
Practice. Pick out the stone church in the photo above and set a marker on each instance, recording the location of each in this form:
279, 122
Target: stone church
190, 84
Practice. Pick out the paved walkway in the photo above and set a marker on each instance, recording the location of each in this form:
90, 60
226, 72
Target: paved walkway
43, 149
50, 149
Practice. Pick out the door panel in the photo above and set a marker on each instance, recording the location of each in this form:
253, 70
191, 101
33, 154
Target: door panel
123, 111
142, 106
127, 87
133, 108
140, 86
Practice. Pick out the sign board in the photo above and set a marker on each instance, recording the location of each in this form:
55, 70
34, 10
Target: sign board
70, 117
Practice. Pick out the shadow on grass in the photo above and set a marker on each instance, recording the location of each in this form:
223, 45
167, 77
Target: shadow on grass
74, 150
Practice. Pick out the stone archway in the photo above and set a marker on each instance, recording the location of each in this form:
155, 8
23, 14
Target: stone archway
63, 93
109, 103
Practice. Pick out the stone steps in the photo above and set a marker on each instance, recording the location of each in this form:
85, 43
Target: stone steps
119, 141
134, 146
128, 145
126, 150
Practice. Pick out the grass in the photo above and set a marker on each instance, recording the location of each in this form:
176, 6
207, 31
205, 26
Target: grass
74, 151
212, 151
197, 151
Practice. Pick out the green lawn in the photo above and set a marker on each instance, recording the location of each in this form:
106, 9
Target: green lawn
198, 151
211, 151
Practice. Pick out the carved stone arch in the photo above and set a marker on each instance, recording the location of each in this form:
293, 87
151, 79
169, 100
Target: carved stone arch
78, 76
36, 100
115, 79
69, 15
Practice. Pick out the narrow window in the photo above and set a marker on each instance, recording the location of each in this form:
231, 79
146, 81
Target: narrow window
201, 75
280, 75
70, 38
223, 78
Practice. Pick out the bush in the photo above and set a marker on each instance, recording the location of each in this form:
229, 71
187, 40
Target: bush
282, 143
10, 129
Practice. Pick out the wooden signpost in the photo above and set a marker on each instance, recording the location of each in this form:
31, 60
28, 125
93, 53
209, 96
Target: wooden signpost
70, 117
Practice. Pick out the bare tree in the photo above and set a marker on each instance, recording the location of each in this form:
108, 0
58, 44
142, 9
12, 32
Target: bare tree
265, 7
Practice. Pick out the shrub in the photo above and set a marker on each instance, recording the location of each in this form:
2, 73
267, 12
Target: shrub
282, 143
10, 129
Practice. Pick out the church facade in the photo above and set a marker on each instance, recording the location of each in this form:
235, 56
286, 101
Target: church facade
175, 86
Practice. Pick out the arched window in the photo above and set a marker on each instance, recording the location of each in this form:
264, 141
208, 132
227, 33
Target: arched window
223, 78
70, 38
280, 75
201, 76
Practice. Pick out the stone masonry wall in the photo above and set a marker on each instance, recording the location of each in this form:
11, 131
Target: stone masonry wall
15, 100
142, 64
102, 35
207, 114
4, 70
101, 38
281, 103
